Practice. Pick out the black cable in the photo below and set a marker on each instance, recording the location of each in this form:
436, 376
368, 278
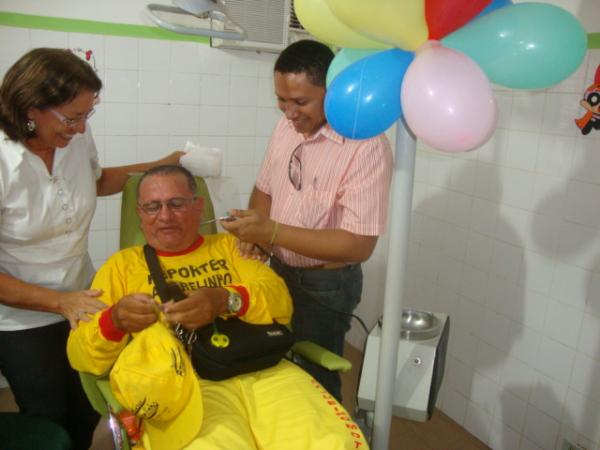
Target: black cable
271, 256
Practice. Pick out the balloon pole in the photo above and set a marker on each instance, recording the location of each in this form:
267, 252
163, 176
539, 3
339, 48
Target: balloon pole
400, 217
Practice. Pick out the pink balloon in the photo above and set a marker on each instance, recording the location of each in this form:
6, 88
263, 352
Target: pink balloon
447, 100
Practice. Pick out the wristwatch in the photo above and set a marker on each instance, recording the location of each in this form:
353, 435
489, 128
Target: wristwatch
234, 303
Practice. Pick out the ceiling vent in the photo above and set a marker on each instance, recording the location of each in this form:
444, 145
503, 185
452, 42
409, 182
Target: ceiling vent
270, 25
296, 30
295, 24
197, 17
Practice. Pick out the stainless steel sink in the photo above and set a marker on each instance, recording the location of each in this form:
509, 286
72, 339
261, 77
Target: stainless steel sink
419, 325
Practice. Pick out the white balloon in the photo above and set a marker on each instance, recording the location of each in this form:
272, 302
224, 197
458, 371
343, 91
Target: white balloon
447, 100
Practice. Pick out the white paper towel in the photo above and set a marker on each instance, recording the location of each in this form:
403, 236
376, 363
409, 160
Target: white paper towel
207, 163
202, 161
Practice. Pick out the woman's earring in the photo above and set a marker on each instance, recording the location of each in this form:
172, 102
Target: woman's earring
30, 125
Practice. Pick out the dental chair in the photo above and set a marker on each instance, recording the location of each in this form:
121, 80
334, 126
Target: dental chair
97, 388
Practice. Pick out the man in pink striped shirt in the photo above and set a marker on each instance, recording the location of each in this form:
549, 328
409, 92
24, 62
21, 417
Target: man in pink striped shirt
319, 204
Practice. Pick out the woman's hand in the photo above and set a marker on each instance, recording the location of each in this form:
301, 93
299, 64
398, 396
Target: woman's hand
172, 159
134, 313
79, 305
200, 308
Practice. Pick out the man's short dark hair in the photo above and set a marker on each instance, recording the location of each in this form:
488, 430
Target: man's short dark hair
306, 56
170, 170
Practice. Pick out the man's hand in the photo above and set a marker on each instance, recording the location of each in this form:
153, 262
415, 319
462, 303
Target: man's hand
200, 308
134, 313
249, 250
79, 305
250, 227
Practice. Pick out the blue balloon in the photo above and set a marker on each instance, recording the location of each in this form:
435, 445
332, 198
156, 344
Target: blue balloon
494, 5
344, 58
364, 99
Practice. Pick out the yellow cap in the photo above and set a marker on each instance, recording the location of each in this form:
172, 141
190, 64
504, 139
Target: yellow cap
154, 378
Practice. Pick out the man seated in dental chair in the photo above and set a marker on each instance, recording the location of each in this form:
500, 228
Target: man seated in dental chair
279, 408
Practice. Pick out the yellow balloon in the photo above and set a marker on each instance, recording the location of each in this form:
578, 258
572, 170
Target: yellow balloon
316, 17
398, 22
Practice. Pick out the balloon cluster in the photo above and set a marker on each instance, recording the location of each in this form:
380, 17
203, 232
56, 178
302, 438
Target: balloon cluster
432, 61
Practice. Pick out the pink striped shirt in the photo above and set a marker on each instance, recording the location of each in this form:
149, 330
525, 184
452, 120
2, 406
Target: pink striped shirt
345, 184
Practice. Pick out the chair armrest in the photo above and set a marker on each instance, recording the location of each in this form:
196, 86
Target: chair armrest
104, 387
99, 394
319, 355
95, 397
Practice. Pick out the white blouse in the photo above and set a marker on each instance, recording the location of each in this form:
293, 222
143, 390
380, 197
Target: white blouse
44, 221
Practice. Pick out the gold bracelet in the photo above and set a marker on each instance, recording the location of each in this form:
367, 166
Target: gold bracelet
275, 230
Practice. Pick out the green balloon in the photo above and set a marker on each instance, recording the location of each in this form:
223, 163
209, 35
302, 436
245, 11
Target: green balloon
343, 59
523, 46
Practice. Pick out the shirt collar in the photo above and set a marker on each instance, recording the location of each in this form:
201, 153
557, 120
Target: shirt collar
197, 243
326, 131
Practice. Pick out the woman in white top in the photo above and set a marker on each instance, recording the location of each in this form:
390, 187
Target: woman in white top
49, 180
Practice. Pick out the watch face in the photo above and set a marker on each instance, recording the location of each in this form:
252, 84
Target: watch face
234, 302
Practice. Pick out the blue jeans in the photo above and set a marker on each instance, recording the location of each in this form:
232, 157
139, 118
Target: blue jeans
34, 362
323, 301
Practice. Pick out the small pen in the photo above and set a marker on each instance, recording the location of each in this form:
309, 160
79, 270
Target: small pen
223, 218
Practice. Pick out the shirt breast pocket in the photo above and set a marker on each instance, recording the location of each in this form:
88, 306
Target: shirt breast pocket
315, 208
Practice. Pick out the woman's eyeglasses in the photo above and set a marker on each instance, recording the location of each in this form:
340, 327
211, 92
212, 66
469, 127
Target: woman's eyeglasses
71, 122
68, 122
295, 168
175, 204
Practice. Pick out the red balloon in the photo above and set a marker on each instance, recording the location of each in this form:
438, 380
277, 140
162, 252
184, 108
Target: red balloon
445, 16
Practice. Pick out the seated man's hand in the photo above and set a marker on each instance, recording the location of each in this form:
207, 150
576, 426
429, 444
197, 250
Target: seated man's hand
200, 308
134, 313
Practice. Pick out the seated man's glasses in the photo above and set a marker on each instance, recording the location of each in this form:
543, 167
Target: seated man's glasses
175, 204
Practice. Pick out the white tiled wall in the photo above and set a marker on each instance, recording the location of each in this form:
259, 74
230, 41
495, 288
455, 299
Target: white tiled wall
506, 239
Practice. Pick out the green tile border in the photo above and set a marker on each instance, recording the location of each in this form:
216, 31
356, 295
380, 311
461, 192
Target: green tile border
117, 29
94, 27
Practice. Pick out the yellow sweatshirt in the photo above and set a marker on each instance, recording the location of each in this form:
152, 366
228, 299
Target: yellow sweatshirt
212, 261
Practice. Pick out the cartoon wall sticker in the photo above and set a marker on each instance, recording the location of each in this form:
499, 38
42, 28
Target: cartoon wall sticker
86, 55
591, 103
